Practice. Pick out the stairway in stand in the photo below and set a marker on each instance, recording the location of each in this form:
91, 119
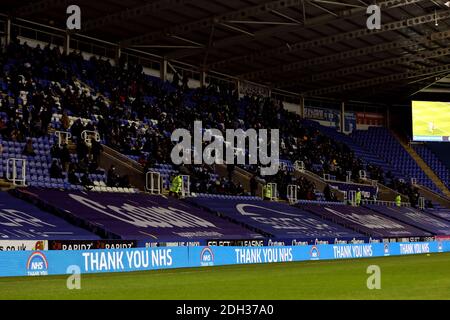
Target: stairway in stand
422, 164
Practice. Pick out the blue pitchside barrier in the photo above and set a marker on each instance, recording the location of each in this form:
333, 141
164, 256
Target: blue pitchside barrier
32, 263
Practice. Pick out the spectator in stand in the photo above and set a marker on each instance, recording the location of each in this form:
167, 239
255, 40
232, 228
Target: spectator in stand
29, 149
176, 79
328, 193
55, 170
3, 127
65, 122
93, 168
86, 182
124, 182
253, 185
76, 129
96, 150
82, 150
72, 177
55, 151
65, 157
358, 197
175, 186
240, 189
230, 171
112, 179
185, 82
305, 189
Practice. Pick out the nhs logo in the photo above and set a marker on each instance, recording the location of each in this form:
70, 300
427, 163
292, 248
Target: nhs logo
386, 249
37, 264
314, 253
206, 257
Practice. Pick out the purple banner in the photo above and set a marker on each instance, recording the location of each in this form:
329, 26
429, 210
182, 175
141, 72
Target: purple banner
142, 216
416, 218
278, 220
21, 220
365, 221
441, 213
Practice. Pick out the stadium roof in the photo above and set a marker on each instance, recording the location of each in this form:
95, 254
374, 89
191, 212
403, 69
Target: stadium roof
312, 47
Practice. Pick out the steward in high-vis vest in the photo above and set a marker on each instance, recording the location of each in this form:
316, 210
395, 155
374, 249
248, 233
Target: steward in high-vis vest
358, 197
267, 192
398, 201
175, 186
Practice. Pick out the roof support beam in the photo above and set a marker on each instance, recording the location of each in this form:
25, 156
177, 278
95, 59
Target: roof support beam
264, 22
208, 22
40, 6
425, 40
307, 23
406, 59
236, 29
323, 8
433, 90
378, 81
132, 13
275, 12
305, 45
336, 3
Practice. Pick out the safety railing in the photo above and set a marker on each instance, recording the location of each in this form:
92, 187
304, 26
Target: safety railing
16, 171
185, 186
153, 182
328, 177
421, 203
292, 194
63, 137
299, 166
385, 203
88, 136
351, 197
362, 174
348, 177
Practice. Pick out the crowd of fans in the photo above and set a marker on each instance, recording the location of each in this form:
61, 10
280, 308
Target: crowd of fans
136, 115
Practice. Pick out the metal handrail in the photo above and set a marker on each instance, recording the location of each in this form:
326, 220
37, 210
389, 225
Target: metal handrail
385, 203
14, 178
152, 185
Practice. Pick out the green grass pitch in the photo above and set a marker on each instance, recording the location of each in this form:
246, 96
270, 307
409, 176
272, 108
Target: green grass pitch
431, 118
404, 277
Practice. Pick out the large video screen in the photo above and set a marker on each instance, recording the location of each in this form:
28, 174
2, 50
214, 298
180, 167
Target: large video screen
431, 121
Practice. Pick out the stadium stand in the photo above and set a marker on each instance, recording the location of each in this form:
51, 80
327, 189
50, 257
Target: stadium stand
376, 167
441, 152
45, 93
433, 162
143, 129
387, 147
